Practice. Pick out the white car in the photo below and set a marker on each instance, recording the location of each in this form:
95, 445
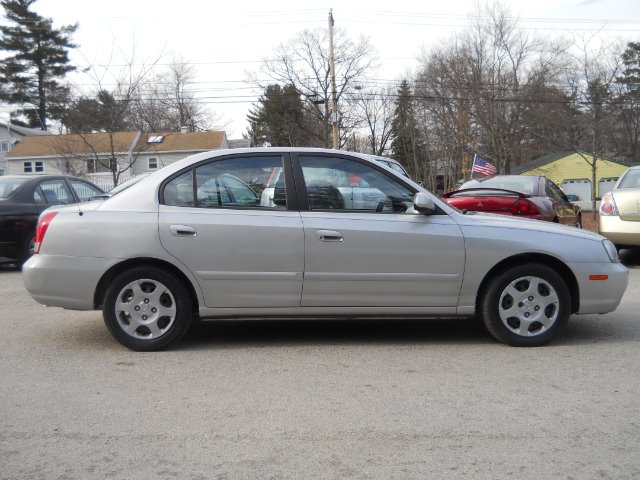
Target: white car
196, 239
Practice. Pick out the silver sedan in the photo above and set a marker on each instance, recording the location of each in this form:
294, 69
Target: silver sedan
310, 233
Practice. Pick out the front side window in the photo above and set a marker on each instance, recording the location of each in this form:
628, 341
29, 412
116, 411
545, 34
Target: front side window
242, 182
343, 184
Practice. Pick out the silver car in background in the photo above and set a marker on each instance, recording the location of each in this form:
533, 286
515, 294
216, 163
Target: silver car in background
338, 235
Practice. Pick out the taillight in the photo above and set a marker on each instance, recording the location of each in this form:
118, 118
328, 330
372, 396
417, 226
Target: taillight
608, 205
524, 207
41, 229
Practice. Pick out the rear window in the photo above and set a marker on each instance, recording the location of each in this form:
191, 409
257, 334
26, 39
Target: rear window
630, 180
521, 184
9, 185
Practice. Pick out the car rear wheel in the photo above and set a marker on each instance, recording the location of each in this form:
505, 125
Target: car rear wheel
526, 306
147, 308
27, 247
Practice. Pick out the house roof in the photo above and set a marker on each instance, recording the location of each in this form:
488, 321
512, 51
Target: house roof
177, 141
24, 131
552, 157
91, 143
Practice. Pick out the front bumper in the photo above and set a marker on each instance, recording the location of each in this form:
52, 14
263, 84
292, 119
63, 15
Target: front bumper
600, 296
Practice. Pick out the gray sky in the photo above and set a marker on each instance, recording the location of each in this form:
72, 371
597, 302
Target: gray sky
226, 40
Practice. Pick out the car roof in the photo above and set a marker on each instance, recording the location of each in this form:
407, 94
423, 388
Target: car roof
41, 176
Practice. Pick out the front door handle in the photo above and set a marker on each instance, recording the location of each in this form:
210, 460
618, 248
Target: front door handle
182, 231
329, 236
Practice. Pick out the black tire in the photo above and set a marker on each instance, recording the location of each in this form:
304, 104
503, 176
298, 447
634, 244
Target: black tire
134, 305
525, 306
27, 247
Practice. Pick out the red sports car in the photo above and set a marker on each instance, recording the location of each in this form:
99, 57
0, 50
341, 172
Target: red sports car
517, 195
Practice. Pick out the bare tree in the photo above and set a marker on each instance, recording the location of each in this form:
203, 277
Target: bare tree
591, 82
627, 92
374, 107
304, 63
127, 81
166, 102
445, 112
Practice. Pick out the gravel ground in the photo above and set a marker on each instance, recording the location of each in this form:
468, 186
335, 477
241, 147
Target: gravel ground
317, 399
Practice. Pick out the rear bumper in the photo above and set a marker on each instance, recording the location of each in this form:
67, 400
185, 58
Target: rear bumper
67, 282
620, 232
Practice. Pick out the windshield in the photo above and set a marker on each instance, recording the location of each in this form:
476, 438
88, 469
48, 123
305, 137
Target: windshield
9, 185
517, 183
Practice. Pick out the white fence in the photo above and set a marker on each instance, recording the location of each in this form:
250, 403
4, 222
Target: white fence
105, 182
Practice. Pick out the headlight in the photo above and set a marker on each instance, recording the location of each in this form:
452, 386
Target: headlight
611, 249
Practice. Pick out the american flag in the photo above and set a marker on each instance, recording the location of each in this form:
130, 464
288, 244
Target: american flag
482, 167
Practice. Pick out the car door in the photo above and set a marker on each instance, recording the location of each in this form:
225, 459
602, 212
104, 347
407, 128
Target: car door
243, 254
365, 248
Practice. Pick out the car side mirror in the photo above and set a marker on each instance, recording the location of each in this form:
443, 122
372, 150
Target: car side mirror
423, 204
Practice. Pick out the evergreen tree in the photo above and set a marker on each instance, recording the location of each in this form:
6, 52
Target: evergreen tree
278, 120
404, 130
631, 74
36, 59
102, 113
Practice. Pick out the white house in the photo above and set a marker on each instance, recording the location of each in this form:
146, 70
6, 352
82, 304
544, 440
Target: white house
88, 155
10, 136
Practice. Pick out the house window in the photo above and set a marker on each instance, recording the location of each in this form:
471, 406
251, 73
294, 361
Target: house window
4, 146
100, 166
153, 163
33, 167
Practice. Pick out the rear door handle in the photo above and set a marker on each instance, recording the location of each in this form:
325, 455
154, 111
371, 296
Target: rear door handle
329, 236
182, 231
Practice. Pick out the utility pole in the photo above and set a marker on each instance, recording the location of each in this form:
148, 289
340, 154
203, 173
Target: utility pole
332, 70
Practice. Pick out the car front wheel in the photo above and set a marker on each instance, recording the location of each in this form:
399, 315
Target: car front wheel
147, 308
526, 306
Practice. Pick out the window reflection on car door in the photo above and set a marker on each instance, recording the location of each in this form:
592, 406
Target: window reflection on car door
243, 254
363, 247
